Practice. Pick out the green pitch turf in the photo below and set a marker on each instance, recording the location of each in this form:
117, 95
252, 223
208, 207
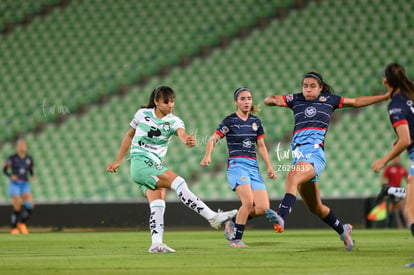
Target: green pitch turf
206, 252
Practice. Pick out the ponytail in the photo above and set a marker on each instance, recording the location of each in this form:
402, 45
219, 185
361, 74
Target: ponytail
397, 79
255, 109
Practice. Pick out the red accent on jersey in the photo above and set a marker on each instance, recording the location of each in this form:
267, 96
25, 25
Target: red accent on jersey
399, 123
262, 136
309, 128
341, 102
219, 133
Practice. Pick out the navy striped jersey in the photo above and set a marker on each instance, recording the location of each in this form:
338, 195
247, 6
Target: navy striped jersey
311, 116
19, 166
401, 111
241, 135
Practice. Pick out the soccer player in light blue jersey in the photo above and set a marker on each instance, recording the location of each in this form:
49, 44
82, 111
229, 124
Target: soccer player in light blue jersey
243, 132
312, 111
147, 139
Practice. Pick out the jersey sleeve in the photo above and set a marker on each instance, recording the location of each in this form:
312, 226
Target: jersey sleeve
397, 116
137, 117
260, 130
337, 101
31, 167
6, 167
222, 129
289, 100
178, 123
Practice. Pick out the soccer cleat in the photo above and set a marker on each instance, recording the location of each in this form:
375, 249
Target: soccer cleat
409, 265
160, 248
346, 237
221, 217
14, 231
382, 193
229, 230
22, 228
278, 222
237, 243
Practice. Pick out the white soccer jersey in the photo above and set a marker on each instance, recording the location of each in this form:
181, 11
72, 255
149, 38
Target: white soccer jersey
153, 134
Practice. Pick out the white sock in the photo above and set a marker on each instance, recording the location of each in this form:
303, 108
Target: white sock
156, 220
190, 200
398, 192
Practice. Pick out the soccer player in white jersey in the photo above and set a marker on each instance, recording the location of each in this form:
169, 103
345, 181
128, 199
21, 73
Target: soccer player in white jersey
148, 138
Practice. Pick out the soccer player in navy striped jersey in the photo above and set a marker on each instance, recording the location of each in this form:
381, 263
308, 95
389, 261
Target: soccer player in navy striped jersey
148, 137
243, 131
312, 111
21, 165
401, 113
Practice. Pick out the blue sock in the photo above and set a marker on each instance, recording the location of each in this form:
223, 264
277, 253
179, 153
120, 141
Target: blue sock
412, 229
286, 205
333, 222
238, 231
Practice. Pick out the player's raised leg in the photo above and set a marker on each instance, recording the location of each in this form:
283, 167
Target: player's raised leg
172, 181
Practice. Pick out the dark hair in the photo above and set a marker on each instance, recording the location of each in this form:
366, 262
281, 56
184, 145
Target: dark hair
326, 89
164, 92
397, 79
255, 108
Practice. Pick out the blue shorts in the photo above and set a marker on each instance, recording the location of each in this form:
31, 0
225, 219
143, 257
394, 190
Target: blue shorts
242, 171
411, 157
310, 153
18, 188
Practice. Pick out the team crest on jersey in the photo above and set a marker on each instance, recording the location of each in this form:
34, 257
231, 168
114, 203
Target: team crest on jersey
310, 111
243, 178
166, 126
254, 126
289, 97
322, 98
224, 129
247, 143
28, 162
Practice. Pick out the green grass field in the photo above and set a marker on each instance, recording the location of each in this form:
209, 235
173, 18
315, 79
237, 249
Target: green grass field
206, 252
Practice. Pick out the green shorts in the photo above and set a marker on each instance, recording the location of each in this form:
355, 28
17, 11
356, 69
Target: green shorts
144, 171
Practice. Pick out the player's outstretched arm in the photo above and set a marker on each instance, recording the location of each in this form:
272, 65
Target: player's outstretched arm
365, 100
404, 140
188, 139
205, 162
125, 145
275, 100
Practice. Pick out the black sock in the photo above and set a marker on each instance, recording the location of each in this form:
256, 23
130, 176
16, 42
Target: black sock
27, 212
14, 218
333, 222
412, 229
286, 205
238, 231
